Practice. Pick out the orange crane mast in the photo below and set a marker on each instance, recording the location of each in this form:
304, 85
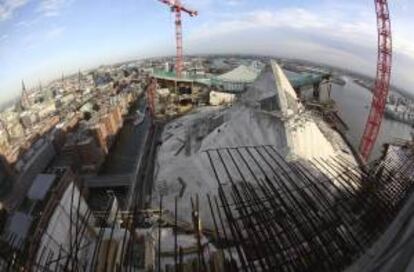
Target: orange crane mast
177, 8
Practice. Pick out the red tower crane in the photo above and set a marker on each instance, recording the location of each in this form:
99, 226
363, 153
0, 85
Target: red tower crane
382, 81
177, 7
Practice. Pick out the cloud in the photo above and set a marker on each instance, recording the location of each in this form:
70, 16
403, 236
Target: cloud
22, 23
27, 23
360, 31
51, 8
211, 6
234, 2
3, 40
327, 35
36, 40
54, 32
295, 18
8, 7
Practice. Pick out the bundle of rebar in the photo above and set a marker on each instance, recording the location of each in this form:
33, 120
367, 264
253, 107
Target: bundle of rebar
301, 216
269, 214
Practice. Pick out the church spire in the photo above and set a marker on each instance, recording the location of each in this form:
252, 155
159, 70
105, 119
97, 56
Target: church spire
24, 100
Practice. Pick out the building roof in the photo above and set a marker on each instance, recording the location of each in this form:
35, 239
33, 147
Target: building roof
41, 186
240, 74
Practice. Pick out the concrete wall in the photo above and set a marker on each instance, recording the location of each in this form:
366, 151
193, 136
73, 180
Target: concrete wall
68, 226
41, 155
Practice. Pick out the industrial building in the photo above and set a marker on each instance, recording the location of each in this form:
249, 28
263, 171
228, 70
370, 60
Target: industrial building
175, 96
269, 157
269, 113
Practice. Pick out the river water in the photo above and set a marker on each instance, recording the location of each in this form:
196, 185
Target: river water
122, 157
354, 102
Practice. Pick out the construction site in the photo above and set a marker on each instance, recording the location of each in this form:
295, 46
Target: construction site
242, 168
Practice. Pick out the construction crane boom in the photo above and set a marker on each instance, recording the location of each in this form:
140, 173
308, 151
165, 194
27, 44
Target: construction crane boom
382, 81
176, 5
177, 8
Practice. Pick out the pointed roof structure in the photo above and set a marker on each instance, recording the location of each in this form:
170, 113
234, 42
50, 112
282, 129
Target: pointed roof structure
24, 91
240, 74
24, 100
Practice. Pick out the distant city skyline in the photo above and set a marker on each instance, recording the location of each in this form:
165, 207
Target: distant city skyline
41, 39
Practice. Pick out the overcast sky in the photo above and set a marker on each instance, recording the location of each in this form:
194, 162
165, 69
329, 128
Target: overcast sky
40, 39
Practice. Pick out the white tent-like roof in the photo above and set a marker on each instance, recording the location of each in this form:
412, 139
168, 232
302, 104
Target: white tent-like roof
240, 74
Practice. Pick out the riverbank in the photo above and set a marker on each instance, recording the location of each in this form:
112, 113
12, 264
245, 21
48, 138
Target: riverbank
401, 117
353, 102
364, 84
122, 157
389, 113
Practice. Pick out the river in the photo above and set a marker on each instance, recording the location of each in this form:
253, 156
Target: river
354, 102
123, 155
